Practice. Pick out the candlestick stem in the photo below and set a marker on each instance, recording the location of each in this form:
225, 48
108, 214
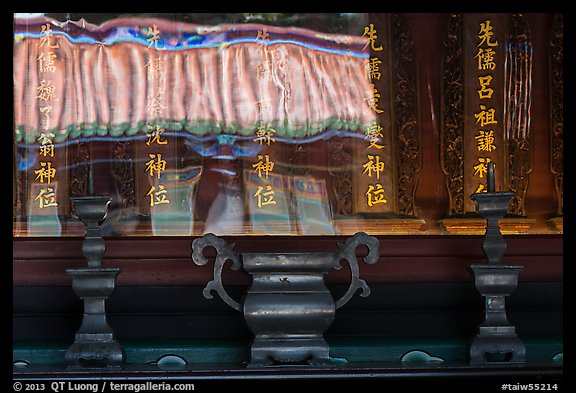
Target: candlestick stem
490, 175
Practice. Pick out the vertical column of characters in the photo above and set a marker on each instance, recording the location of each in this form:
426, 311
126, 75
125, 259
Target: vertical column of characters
264, 133
486, 116
46, 96
158, 193
374, 166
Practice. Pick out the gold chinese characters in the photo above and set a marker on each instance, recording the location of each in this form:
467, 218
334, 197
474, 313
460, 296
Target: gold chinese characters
486, 116
156, 165
374, 165
46, 96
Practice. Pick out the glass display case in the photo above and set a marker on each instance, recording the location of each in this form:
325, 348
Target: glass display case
270, 124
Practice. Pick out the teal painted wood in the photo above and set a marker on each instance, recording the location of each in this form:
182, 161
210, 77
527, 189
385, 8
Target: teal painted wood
142, 351
539, 348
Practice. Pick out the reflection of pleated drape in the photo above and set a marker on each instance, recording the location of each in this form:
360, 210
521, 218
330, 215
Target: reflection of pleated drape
517, 107
104, 89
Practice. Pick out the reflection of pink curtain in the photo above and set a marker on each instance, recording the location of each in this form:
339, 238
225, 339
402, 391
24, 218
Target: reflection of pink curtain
298, 89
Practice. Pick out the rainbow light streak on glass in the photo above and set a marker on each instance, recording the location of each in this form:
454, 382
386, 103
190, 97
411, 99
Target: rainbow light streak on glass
187, 41
201, 139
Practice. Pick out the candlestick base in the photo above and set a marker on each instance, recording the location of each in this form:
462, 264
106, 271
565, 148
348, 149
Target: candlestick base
496, 341
497, 349
94, 344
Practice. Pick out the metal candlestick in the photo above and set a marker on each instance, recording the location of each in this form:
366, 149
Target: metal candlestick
492, 206
92, 210
496, 341
94, 344
287, 307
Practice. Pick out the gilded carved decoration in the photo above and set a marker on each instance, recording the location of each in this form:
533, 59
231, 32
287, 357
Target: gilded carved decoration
124, 174
405, 104
452, 147
518, 92
80, 156
557, 110
340, 160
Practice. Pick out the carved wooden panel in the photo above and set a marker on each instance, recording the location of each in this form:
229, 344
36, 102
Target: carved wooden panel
451, 141
405, 105
79, 156
518, 84
557, 110
513, 150
123, 172
339, 161
396, 122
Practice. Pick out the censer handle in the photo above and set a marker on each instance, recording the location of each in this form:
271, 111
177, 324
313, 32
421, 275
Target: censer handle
348, 253
223, 253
